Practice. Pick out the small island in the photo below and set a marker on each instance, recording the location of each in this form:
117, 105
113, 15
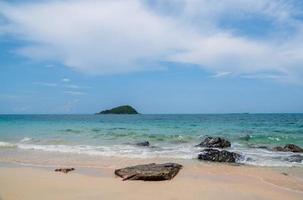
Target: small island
126, 109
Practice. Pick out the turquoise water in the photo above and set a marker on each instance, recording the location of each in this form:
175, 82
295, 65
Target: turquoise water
171, 136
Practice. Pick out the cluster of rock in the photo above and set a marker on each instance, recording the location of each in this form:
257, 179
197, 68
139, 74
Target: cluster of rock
215, 155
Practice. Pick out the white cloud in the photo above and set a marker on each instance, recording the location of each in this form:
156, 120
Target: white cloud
49, 66
46, 84
65, 80
74, 92
220, 74
72, 86
108, 37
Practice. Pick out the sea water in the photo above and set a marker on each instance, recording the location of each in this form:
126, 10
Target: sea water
170, 136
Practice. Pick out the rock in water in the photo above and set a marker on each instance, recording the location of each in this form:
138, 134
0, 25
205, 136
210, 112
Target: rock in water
214, 142
289, 147
215, 155
294, 158
143, 144
64, 170
120, 110
149, 172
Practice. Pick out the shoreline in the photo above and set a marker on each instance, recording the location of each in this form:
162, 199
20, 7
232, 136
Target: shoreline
200, 180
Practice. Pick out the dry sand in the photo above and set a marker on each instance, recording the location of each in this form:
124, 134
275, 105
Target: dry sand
195, 181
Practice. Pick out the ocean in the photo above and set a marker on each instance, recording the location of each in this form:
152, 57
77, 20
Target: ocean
170, 136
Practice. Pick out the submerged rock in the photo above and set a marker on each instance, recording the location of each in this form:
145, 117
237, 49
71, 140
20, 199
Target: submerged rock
120, 110
294, 158
259, 147
64, 170
143, 144
215, 155
289, 148
214, 142
245, 138
149, 172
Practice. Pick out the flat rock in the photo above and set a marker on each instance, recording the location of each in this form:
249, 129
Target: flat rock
149, 172
289, 148
64, 170
214, 142
215, 155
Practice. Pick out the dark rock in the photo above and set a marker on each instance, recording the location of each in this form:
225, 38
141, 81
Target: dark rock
143, 144
149, 172
259, 147
294, 158
120, 110
214, 142
289, 148
64, 170
278, 149
215, 155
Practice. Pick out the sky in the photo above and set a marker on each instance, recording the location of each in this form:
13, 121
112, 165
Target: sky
174, 56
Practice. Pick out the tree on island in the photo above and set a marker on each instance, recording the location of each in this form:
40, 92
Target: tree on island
126, 109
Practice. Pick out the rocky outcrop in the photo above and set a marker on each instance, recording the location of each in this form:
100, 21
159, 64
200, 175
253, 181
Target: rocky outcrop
214, 142
149, 172
64, 170
120, 110
289, 148
215, 155
143, 144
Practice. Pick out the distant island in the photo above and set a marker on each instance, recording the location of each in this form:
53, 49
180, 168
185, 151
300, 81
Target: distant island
126, 109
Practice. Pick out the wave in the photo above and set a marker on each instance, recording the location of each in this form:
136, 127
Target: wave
251, 156
115, 150
26, 139
267, 158
6, 144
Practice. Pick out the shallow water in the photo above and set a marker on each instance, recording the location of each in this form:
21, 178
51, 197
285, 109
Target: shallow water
171, 136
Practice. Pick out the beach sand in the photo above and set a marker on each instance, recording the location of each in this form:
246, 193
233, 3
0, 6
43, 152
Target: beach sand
194, 181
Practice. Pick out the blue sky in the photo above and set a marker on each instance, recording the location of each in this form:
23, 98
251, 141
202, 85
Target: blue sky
173, 56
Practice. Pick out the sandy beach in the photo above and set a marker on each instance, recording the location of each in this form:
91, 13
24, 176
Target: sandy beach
194, 181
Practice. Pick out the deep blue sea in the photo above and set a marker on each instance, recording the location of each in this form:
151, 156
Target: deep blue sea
170, 136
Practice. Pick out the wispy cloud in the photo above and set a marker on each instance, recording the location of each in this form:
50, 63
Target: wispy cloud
74, 93
220, 74
73, 86
46, 84
49, 66
108, 37
65, 80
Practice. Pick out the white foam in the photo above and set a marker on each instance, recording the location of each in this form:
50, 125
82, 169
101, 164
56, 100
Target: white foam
6, 144
26, 139
185, 152
265, 158
251, 156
